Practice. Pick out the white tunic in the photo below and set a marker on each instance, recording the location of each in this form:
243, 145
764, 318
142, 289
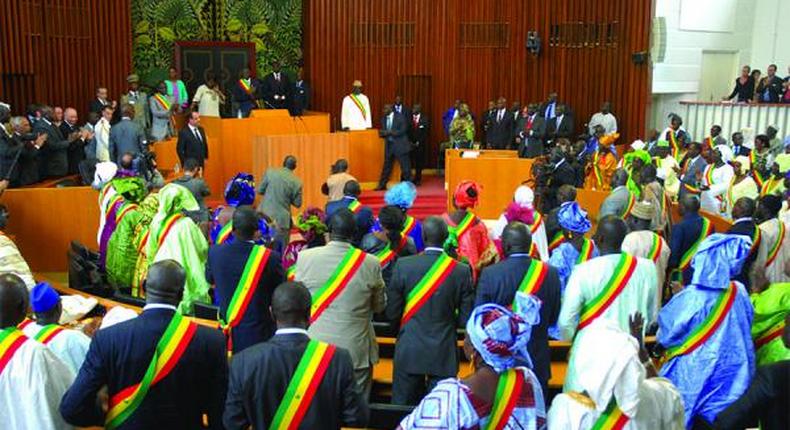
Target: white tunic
712, 200
208, 101
770, 237
70, 346
605, 120
352, 118
102, 131
640, 244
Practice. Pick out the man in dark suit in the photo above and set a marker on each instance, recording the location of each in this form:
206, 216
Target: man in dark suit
548, 109
245, 94
192, 141
561, 126
770, 88
260, 376
276, 88
28, 169
685, 234
399, 108
76, 152
500, 282
737, 146
54, 155
101, 100
426, 351
500, 133
127, 137
120, 355
301, 94
394, 130
692, 170
224, 269
419, 131
531, 131
744, 225
363, 215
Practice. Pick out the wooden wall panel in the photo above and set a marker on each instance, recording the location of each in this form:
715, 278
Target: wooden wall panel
59, 51
584, 76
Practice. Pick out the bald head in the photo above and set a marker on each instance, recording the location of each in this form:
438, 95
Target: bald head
291, 305
165, 283
610, 234
245, 223
689, 204
434, 231
352, 189
342, 225
13, 300
516, 238
289, 162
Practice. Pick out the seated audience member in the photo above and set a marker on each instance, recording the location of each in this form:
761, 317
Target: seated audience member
643, 242
744, 224
519, 272
264, 381
122, 249
522, 210
363, 215
403, 195
32, 378
686, 237
775, 252
771, 302
174, 236
387, 243
312, 227
575, 249
245, 275
70, 346
239, 191
430, 295
705, 331
468, 234
181, 395
496, 344
347, 290
193, 181
337, 180
618, 384
610, 287
774, 182
11, 260
619, 200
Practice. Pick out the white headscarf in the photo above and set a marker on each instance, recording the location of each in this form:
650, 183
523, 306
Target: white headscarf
746, 163
726, 153
105, 171
638, 145
524, 196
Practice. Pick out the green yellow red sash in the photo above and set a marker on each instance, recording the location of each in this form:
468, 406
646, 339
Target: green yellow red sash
171, 347
408, 227
144, 240
775, 332
556, 241
709, 325
586, 252
597, 169
673, 143
533, 279
342, 275
248, 284
115, 201
533, 228
302, 387
162, 101
655, 248
355, 206
612, 418
290, 273
166, 227
429, 283
685, 260
104, 190
10, 341
508, 391
630, 205
463, 226
224, 233
245, 85
124, 211
359, 105
774, 251
47, 333
386, 255
757, 237
25, 322
622, 274
709, 141
771, 184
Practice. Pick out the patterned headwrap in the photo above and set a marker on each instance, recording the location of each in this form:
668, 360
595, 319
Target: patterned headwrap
640, 154
173, 198
131, 188
240, 190
608, 139
719, 258
401, 195
500, 336
311, 223
466, 195
573, 218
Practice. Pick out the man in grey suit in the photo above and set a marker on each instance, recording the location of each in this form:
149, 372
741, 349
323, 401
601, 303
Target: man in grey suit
426, 351
616, 203
281, 189
692, 169
347, 320
127, 136
394, 130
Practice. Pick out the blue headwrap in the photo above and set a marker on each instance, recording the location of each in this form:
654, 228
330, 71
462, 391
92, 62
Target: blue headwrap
240, 191
43, 297
401, 195
500, 336
718, 259
573, 218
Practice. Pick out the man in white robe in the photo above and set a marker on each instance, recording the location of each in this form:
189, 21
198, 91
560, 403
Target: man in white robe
355, 114
715, 181
774, 253
644, 243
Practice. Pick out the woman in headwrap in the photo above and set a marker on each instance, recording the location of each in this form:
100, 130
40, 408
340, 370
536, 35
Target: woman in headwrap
705, 330
602, 165
771, 306
462, 129
312, 226
741, 184
633, 162
468, 233
616, 386
239, 191
575, 248
387, 243
122, 252
403, 195
128, 191
521, 209
146, 211
496, 344
174, 236
715, 180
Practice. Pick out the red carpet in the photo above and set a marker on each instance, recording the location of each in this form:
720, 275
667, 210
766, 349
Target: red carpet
431, 198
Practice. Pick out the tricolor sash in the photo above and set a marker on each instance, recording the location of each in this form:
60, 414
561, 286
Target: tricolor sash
290, 274
386, 255
597, 170
556, 241
25, 322
533, 279
162, 101
655, 248
586, 252
302, 387
630, 205
775, 332
708, 175
685, 260
124, 211
144, 240
533, 228
596, 307
355, 206
673, 143
104, 190
508, 391
463, 226
691, 188
10, 341
224, 233
337, 282
709, 141
248, 284
709, 325
166, 227
408, 227
757, 237
47, 333
245, 85
774, 251
115, 201
359, 105
612, 418
772, 184
171, 347
429, 283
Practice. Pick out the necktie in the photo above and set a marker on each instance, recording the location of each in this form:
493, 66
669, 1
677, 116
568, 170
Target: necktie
197, 134
499, 117
529, 123
416, 120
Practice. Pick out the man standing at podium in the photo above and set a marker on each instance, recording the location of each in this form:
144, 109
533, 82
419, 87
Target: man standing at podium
355, 114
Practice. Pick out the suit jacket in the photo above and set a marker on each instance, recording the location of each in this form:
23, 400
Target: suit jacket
694, 170
224, 269
189, 146
531, 135
402, 110
769, 90
615, 203
765, 401
300, 99
426, 344
545, 112
741, 150
565, 128
8, 152
140, 102
419, 133
499, 284
76, 151
281, 189
272, 87
127, 136
245, 100
346, 322
54, 153
364, 218
398, 142
684, 234
500, 133
96, 105
259, 378
27, 170
118, 358
745, 227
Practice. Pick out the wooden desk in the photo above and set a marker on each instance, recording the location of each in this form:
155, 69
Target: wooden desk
366, 157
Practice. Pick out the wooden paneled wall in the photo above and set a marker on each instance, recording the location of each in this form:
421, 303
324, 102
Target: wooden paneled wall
59, 51
475, 50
